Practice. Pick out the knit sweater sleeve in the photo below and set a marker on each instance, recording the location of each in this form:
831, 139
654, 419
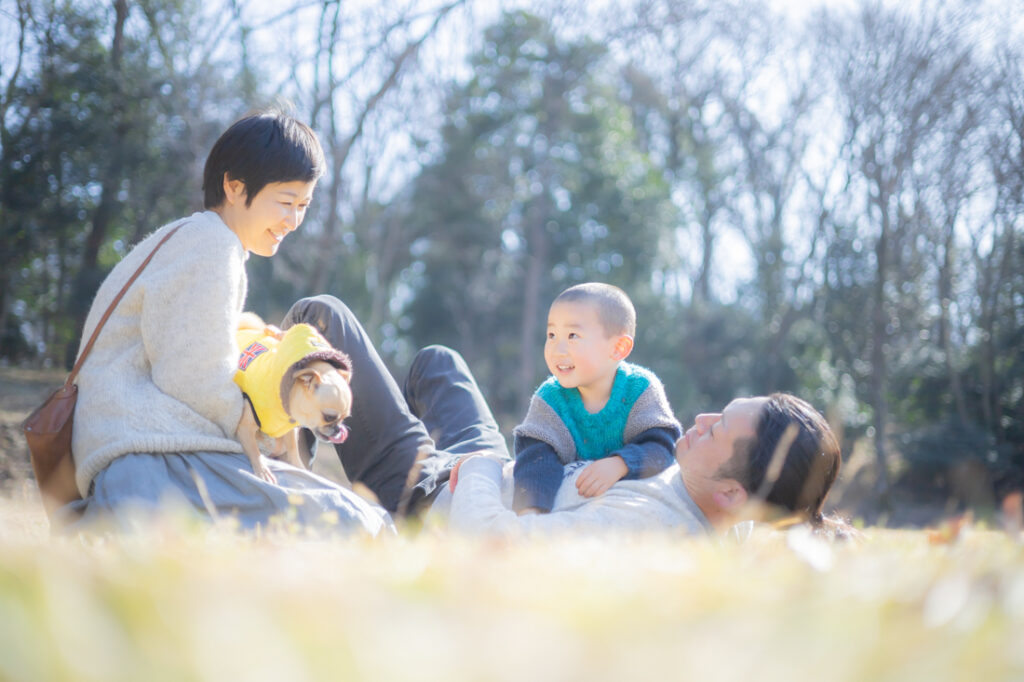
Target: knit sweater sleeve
649, 453
189, 316
537, 475
542, 423
650, 411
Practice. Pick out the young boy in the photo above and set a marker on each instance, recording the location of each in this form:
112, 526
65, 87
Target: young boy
595, 407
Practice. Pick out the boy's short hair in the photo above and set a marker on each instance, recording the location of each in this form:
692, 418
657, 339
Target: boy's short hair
260, 149
614, 308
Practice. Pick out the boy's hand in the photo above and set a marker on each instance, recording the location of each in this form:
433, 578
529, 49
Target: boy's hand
598, 476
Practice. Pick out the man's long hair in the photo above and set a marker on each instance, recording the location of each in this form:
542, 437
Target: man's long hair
793, 460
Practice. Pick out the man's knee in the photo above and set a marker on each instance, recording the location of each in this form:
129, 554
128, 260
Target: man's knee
319, 311
434, 359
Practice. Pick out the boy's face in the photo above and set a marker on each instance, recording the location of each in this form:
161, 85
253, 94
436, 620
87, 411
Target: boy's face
578, 352
276, 210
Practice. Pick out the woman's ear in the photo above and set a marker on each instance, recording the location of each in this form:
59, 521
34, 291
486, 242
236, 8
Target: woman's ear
623, 347
234, 190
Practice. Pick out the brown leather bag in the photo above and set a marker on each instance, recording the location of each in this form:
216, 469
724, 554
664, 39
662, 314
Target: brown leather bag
48, 428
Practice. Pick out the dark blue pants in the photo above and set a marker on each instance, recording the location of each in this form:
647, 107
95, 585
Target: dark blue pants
402, 443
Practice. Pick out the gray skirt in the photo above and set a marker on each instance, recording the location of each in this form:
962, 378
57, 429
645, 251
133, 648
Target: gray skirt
217, 485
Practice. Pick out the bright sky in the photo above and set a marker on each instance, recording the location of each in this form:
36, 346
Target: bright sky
447, 55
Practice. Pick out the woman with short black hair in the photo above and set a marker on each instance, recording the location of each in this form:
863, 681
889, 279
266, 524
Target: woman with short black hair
158, 408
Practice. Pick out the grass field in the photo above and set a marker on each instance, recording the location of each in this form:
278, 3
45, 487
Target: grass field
179, 602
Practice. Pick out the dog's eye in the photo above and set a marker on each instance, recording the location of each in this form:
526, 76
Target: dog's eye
330, 416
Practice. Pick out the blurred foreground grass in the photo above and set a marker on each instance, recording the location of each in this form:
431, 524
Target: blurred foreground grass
176, 602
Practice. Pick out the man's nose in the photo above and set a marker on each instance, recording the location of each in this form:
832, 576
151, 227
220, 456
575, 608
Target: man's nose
704, 421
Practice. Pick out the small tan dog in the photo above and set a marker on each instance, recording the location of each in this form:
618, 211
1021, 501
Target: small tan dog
289, 379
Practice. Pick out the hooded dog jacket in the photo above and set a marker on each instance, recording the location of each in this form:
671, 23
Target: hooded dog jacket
264, 363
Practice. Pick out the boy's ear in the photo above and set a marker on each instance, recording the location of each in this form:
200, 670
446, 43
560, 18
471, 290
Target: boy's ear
623, 347
234, 190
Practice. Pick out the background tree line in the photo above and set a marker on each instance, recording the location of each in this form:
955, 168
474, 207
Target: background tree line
828, 204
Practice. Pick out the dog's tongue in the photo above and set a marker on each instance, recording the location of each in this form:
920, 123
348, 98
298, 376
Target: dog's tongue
341, 435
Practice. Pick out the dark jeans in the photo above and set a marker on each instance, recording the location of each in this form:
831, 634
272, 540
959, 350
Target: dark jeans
402, 444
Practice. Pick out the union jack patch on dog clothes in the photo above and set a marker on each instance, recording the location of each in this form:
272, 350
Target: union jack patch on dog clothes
254, 350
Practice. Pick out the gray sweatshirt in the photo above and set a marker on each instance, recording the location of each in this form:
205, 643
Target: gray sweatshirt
483, 499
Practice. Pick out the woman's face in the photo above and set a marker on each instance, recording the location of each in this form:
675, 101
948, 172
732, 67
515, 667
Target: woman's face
276, 210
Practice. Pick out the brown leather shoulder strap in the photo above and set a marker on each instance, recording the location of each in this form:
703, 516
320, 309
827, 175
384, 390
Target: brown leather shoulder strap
113, 304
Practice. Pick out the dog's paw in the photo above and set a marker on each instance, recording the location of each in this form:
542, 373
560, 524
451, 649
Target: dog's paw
264, 472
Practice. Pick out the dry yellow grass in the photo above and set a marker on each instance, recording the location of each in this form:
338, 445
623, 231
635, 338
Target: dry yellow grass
180, 602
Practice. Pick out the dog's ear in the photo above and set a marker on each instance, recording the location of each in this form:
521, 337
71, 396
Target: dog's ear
248, 320
308, 378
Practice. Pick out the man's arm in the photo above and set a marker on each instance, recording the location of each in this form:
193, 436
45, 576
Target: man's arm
477, 507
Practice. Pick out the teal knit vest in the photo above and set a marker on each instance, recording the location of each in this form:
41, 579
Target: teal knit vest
597, 435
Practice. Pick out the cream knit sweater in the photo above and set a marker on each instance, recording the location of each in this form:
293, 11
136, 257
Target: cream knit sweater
160, 378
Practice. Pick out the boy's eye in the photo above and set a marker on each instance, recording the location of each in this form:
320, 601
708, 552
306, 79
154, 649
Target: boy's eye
551, 335
573, 335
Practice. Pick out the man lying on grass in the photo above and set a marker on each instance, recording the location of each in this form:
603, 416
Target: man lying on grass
776, 449
406, 441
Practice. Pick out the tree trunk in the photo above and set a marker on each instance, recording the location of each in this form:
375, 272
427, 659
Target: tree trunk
945, 324
537, 260
326, 255
5, 281
89, 277
702, 287
879, 368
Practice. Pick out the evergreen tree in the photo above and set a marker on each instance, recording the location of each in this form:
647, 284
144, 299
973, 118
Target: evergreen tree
539, 186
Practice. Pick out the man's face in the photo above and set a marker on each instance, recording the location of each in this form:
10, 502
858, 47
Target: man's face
709, 444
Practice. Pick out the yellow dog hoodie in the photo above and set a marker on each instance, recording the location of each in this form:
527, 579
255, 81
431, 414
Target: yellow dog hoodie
265, 362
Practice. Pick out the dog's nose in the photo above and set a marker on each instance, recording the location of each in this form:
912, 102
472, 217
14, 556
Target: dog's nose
340, 435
